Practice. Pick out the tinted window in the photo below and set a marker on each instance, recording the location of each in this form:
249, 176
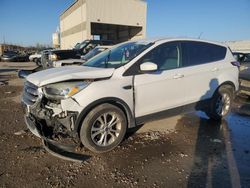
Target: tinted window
65, 54
196, 53
166, 56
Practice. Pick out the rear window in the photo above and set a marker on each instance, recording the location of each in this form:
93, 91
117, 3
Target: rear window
197, 53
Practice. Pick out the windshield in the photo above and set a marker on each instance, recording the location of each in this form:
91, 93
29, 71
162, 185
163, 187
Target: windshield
118, 56
93, 52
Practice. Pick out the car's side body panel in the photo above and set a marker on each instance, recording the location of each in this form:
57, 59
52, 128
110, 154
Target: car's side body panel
174, 88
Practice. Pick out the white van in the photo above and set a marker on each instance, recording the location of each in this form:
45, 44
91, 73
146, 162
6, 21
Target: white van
130, 84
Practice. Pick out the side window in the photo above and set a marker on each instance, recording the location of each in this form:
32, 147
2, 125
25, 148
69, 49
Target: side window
196, 53
166, 56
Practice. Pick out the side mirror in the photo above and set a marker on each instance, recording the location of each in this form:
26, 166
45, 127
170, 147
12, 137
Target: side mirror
148, 67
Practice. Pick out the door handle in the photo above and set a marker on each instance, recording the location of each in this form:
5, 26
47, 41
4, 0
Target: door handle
178, 76
215, 69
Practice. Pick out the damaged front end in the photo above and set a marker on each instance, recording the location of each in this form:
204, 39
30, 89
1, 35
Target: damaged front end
45, 116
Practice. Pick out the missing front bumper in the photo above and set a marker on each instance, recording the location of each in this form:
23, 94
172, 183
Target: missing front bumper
32, 126
63, 151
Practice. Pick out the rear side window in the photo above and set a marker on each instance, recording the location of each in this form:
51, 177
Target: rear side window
197, 53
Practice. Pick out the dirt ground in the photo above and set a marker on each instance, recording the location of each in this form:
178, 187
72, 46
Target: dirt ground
182, 151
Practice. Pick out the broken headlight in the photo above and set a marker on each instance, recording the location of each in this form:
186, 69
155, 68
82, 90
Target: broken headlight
64, 90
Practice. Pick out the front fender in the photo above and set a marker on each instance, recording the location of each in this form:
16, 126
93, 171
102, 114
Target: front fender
111, 100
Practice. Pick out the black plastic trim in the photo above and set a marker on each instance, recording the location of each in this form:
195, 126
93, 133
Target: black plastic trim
201, 105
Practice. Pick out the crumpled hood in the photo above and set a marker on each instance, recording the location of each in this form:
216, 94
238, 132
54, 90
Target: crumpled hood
60, 74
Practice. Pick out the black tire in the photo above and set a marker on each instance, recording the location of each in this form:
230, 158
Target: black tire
226, 93
92, 122
38, 62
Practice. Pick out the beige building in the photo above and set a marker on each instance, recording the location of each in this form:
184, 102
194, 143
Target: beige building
239, 46
56, 40
116, 20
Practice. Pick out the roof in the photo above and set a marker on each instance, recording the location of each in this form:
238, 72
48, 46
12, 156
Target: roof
69, 7
168, 39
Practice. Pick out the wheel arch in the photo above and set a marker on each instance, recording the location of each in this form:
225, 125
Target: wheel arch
228, 83
110, 100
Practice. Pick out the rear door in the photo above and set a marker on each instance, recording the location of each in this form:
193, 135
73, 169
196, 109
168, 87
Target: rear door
202, 62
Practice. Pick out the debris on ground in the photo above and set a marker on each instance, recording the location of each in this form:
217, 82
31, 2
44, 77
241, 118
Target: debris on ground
215, 140
8, 92
183, 155
3, 83
21, 132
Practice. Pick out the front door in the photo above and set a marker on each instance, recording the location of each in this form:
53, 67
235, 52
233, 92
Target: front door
163, 89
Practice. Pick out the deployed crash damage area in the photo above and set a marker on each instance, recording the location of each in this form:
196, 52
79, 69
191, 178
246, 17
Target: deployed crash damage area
50, 111
43, 109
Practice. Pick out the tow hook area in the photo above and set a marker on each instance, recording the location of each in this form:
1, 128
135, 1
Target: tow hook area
57, 144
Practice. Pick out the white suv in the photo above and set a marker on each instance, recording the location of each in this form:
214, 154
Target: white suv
130, 84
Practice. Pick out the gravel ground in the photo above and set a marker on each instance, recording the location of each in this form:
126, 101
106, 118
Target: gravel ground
181, 151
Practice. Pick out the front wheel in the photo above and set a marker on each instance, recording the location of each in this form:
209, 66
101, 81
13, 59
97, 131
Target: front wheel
221, 103
103, 128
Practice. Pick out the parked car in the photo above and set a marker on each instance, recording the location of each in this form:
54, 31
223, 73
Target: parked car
23, 57
45, 59
9, 56
79, 50
12, 56
23, 73
83, 59
35, 56
244, 79
38, 55
128, 85
243, 58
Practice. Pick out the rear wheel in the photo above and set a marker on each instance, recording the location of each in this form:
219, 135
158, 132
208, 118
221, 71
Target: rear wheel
103, 128
221, 103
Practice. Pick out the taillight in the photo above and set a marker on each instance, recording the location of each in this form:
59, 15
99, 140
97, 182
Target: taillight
236, 63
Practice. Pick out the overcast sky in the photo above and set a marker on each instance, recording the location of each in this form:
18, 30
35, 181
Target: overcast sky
27, 22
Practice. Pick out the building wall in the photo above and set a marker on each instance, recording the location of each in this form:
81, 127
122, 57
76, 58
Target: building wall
56, 39
73, 25
70, 41
119, 12
75, 22
239, 46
